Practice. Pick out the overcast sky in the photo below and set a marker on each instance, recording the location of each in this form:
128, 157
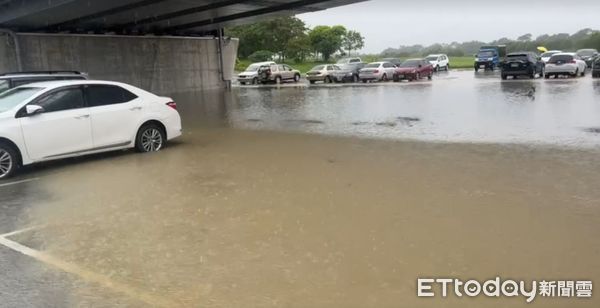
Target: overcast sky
391, 23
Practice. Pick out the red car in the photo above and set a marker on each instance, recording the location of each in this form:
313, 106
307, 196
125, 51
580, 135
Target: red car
413, 69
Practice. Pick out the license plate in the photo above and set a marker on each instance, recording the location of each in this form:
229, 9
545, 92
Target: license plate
400, 76
514, 65
482, 66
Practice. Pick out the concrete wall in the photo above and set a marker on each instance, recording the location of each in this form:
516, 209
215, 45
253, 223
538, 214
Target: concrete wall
159, 64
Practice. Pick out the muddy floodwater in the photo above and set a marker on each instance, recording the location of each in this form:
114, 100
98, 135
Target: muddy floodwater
335, 196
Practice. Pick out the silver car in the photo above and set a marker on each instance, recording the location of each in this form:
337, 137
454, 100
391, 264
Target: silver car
325, 73
277, 73
377, 71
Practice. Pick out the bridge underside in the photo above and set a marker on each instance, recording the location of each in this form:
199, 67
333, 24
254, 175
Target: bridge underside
139, 17
154, 44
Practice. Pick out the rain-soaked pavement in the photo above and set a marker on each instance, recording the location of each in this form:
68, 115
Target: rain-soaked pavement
247, 210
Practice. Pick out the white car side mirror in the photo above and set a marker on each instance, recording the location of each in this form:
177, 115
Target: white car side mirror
33, 109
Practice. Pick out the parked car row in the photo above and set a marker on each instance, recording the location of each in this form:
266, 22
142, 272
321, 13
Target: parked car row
348, 70
411, 69
552, 63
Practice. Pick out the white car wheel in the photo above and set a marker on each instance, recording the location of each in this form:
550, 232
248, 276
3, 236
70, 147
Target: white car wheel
151, 138
8, 161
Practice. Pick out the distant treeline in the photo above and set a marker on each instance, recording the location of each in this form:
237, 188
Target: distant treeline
585, 38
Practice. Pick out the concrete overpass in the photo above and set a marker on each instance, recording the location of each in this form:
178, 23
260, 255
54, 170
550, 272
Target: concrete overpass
143, 42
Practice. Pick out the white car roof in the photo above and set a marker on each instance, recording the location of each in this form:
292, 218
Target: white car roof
435, 55
565, 54
27, 75
63, 83
264, 63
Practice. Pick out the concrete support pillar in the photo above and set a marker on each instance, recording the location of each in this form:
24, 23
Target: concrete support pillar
159, 64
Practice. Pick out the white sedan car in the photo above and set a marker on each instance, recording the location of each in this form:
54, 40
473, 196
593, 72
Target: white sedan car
59, 119
380, 71
565, 63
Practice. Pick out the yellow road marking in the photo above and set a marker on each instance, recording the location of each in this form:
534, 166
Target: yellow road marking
85, 274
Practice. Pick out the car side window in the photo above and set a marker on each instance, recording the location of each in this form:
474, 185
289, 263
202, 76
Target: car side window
280, 67
102, 95
4, 85
61, 100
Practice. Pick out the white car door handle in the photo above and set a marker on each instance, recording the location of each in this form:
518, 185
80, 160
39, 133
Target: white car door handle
135, 109
85, 116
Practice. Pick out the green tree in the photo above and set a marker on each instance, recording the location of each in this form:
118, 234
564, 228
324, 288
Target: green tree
299, 48
353, 40
273, 34
525, 37
260, 56
327, 40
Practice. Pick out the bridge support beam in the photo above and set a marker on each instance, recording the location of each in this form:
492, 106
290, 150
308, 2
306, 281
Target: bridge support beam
159, 64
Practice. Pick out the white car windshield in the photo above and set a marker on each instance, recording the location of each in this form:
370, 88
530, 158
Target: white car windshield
432, 58
372, 65
253, 68
11, 98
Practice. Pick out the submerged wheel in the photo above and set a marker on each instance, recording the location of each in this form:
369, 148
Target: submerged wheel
150, 138
9, 161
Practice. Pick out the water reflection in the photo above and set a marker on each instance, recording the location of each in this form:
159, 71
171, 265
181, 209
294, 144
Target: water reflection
596, 84
521, 91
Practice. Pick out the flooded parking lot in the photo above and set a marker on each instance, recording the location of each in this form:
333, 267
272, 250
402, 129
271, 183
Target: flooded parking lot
458, 106
327, 196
